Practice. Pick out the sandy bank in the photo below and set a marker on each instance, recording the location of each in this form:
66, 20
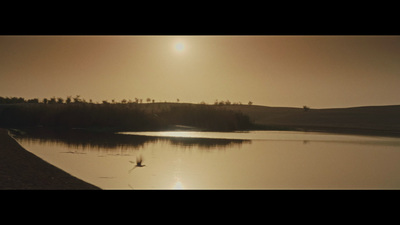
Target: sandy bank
22, 170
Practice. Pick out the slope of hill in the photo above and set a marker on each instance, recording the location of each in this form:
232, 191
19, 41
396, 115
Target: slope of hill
374, 120
383, 120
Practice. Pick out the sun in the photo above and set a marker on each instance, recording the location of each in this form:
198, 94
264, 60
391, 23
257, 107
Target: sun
179, 46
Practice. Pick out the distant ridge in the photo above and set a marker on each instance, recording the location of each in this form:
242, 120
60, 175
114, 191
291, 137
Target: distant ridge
371, 120
374, 120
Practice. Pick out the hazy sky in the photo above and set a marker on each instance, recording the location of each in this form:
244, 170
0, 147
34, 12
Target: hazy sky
318, 71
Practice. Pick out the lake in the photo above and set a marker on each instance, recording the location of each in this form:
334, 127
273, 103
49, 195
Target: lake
221, 160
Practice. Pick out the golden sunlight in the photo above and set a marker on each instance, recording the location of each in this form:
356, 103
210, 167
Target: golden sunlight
178, 185
179, 47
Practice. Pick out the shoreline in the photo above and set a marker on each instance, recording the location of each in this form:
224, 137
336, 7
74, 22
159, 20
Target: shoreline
22, 170
333, 130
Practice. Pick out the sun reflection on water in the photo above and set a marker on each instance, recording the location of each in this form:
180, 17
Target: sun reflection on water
180, 134
178, 185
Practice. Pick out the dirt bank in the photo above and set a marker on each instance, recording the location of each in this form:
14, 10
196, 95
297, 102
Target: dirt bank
22, 170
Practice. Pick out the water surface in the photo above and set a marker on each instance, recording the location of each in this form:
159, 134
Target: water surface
218, 160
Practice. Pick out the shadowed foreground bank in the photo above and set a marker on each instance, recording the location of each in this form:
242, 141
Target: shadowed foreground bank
22, 170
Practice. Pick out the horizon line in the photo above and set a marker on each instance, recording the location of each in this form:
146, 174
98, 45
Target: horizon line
152, 101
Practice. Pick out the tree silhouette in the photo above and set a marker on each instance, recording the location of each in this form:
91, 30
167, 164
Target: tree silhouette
306, 108
34, 100
52, 100
77, 99
60, 100
117, 116
68, 100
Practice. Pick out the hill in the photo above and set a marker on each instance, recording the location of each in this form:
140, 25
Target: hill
374, 120
382, 120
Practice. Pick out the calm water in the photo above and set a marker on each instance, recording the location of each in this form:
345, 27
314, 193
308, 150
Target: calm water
214, 160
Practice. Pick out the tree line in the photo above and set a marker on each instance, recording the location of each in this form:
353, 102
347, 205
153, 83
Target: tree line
78, 99
76, 113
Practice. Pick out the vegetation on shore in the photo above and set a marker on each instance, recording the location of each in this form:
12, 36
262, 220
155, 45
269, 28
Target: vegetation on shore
128, 115
78, 99
124, 116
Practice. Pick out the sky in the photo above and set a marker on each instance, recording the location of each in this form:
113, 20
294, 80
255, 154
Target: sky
285, 71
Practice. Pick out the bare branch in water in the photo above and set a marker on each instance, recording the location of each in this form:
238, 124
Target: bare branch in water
139, 160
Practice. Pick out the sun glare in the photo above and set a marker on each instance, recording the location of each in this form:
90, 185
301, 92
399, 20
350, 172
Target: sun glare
178, 185
179, 47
